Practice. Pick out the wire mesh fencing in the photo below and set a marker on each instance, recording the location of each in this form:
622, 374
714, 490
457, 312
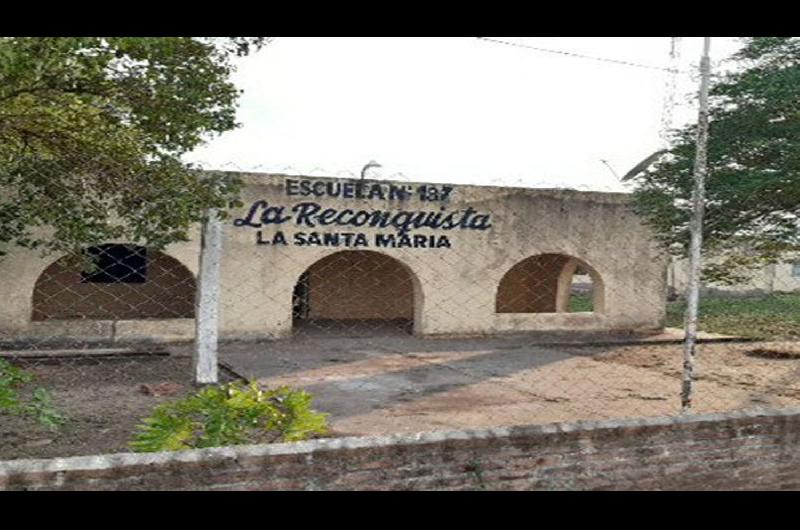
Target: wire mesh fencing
400, 306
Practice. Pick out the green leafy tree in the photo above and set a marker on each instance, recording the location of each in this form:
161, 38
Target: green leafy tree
92, 131
753, 185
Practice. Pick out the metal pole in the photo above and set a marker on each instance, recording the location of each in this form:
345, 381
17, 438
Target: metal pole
204, 361
696, 229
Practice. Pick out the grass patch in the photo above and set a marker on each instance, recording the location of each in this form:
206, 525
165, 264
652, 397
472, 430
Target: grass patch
580, 303
775, 316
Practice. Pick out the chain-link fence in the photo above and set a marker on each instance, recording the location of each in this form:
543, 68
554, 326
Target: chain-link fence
400, 306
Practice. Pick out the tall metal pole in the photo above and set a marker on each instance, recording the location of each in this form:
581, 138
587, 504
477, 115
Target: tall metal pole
696, 229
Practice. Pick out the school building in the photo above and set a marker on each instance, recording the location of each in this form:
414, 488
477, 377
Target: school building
431, 259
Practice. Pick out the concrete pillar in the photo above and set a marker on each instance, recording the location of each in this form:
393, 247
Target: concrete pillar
204, 361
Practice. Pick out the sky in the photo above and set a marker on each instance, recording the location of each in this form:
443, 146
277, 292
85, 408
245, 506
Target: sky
459, 109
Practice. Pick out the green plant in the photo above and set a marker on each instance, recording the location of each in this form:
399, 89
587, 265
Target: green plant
11, 378
39, 406
93, 131
753, 185
230, 414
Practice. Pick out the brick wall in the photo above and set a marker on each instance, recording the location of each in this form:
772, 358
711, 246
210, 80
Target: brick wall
746, 450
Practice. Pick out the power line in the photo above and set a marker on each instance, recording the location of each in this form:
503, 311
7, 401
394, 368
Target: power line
670, 87
581, 56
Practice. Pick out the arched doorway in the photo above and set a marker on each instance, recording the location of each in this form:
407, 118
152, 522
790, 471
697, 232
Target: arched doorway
127, 282
550, 283
355, 292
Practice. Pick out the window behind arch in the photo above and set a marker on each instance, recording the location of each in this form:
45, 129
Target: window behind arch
116, 264
127, 282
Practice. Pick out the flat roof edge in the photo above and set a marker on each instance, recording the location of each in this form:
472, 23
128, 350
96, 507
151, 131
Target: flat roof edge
616, 196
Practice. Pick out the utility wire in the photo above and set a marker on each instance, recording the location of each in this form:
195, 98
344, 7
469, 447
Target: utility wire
581, 56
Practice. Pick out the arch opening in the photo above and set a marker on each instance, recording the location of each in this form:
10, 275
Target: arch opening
126, 282
550, 283
583, 283
356, 292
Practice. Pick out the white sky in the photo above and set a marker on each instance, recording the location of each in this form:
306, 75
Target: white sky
456, 109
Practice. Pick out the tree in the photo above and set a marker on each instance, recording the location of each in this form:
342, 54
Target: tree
92, 131
753, 184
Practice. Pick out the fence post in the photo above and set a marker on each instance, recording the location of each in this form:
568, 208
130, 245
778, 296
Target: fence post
696, 229
204, 360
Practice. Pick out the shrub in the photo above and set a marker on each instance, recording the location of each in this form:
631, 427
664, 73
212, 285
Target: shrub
38, 405
230, 414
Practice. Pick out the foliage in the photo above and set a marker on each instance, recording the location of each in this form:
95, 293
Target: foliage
776, 316
753, 186
92, 130
581, 303
230, 414
38, 406
11, 378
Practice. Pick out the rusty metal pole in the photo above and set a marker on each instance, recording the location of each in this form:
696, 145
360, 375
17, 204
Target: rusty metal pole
696, 229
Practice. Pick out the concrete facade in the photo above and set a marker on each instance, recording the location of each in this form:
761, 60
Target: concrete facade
451, 260
775, 278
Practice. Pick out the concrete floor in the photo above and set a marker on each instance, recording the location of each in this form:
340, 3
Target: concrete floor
399, 383
380, 379
364, 382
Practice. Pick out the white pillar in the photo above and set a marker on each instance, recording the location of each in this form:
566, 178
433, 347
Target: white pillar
696, 229
204, 361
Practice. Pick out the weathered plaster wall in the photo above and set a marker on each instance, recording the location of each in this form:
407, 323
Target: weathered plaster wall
531, 286
360, 285
458, 284
454, 288
21, 268
168, 293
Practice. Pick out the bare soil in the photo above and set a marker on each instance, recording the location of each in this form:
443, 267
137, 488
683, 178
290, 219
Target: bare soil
405, 385
728, 375
102, 398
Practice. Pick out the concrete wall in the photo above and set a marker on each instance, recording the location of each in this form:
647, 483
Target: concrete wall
732, 451
168, 292
457, 286
783, 280
531, 286
775, 278
357, 284
22, 268
454, 286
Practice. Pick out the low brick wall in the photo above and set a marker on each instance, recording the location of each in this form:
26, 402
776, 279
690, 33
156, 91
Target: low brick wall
743, 450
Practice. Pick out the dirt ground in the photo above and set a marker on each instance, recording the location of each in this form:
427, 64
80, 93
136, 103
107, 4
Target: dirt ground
393, 385
102, 399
